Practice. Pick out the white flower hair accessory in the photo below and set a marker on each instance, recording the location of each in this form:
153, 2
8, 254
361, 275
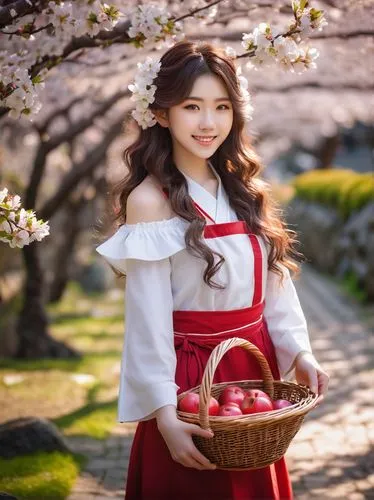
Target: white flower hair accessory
243, 82
143, 91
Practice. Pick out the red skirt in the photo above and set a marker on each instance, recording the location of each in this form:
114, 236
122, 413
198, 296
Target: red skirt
153, 474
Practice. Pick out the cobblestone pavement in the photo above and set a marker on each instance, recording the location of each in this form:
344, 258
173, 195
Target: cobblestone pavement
332, 456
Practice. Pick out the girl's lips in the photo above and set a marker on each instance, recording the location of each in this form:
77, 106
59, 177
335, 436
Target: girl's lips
204, 140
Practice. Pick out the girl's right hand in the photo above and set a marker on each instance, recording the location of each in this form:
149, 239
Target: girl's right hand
178, 438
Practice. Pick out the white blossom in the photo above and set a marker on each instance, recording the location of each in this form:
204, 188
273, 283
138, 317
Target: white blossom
143, 91
243, 82
19, 227
230, 51
151, 24
3, 194
19, 54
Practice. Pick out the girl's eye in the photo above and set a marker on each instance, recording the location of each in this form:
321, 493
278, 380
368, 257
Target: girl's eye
189, 106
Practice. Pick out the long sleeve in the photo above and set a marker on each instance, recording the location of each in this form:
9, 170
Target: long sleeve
286, 321
149, 361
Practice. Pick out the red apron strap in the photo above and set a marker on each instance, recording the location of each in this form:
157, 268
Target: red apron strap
198, 208
257, 294
257, 253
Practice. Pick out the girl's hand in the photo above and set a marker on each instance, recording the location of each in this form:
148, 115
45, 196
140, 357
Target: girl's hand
178, 438
308, 372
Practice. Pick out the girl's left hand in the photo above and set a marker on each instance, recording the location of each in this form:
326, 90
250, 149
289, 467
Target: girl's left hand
308, 372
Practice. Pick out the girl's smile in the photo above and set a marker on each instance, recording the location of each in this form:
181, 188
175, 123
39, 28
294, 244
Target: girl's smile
204, 140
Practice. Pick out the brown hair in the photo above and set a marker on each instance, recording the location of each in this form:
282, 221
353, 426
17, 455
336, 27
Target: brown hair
235, 161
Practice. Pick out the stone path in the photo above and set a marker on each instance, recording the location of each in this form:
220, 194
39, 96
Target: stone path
332, 456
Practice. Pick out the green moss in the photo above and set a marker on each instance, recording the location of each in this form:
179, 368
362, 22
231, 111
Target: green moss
95, 420
47, 476
96, 325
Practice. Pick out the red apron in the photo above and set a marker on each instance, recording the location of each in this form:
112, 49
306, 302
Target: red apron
153, 474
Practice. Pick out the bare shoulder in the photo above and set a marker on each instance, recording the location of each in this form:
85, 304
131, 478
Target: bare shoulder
147, 203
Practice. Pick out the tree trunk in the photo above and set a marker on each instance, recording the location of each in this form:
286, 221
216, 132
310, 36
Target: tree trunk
34, 339
327, 151
64, 253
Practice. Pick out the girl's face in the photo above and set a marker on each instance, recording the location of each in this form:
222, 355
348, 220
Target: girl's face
201, 123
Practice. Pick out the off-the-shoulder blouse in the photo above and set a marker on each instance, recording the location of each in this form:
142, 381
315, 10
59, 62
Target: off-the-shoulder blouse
162, 276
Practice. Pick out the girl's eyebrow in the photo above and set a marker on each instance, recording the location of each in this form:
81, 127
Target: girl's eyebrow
200, 99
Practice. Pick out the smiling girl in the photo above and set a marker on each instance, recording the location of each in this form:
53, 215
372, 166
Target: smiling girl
207, 257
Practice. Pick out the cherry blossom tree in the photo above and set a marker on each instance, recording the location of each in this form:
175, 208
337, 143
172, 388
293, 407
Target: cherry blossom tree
37, 39
37, 36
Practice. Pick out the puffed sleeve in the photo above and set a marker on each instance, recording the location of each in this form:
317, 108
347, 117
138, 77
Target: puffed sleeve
147, 377
144, 241
286, 321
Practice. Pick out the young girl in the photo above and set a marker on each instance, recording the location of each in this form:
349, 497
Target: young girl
207, 257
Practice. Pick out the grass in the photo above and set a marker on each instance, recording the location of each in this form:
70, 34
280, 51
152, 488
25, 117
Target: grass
47, 476
94, 419
48, 388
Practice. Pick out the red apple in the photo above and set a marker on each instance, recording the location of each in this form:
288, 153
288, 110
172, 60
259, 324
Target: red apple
255, 393
231, 394
190, 404
281, 403
213, 406
229, 410
255, 405
231, 403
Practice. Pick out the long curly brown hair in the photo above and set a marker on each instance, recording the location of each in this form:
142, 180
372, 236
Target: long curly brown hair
235, 161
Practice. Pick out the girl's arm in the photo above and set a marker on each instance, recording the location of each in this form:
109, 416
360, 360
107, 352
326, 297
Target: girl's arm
286, 321
288, 331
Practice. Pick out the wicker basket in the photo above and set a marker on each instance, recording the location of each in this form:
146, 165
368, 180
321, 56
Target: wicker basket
252, 441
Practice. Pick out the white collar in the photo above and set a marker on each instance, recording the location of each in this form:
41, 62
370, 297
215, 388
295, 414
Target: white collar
218, 208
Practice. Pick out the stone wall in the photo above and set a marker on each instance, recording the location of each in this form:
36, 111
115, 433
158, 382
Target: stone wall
335, 245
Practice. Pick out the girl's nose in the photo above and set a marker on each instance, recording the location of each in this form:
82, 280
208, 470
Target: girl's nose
207, 120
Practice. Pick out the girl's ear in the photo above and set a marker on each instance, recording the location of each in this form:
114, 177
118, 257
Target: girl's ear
161, 117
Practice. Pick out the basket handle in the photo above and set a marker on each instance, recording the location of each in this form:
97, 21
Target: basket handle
211, 366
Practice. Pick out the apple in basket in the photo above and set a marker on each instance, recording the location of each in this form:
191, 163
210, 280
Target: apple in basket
281, 403
255, 393
231, 403
231, 394
230, 410
257, 404
190, 404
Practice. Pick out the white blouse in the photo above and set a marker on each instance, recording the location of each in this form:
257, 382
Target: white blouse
162, 276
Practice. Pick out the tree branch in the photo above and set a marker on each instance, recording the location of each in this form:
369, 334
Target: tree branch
80, 170
234, 36
350, 34
22, 7
313, 85
45, 147
42, 128
84, 123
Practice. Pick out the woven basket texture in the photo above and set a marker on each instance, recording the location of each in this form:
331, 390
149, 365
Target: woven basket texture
252, 441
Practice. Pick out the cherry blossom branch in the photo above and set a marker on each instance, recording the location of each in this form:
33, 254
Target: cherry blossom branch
82, 169
23, 33
46, 147
19, 227
21, 8
196, 11
313, 85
